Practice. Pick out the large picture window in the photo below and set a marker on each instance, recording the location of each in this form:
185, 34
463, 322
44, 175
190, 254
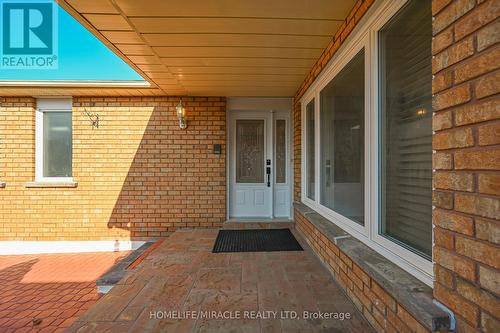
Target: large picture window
406, 128
342, 141
369, 155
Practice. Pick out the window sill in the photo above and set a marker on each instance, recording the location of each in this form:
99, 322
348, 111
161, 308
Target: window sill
2, 184
414, 295
48, 184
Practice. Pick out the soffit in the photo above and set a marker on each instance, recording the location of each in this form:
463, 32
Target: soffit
218, 47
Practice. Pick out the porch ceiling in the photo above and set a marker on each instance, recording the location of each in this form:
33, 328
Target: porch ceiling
220, 47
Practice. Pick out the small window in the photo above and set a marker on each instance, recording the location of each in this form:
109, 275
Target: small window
250, 151
342, 115
406, 128
280, 139
310, 165
54, 140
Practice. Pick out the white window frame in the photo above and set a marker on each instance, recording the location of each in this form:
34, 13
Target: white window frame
306, 101
45, 105
364, 36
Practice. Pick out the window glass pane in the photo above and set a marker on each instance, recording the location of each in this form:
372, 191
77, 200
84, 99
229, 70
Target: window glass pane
57, 144
342, 141
280, 151
310, 172
406, 128
249, 151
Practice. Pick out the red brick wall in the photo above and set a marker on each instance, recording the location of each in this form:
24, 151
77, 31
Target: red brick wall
467, 161
139, 176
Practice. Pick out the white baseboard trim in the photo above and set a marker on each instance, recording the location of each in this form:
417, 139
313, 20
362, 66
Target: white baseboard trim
37, 247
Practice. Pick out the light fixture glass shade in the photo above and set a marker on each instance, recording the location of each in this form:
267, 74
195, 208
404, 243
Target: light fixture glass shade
181, 115
181, 112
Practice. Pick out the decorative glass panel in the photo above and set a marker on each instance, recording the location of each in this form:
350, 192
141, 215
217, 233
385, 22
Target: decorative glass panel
280, 151
57, 144
406, 128
310, 165
342, 120
249, 151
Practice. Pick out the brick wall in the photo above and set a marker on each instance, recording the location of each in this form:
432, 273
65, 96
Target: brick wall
139, 176
467, 161
379, 307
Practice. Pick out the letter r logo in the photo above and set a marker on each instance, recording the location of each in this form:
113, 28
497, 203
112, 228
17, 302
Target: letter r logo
27, 28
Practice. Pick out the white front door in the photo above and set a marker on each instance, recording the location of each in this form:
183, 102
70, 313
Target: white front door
259, 162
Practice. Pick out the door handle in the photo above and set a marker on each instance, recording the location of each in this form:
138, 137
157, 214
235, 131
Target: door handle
268, 173
328, 170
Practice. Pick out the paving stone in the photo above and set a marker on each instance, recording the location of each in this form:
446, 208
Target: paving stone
227, 326
228, 279
182, 274
45, 292
230, 301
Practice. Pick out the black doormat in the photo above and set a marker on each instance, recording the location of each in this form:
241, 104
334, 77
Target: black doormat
256, 240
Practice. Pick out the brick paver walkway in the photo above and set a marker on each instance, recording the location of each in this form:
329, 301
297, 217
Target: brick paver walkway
183, 275
47, 292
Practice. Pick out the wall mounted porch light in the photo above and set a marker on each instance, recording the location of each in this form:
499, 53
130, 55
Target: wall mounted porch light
421, 112
181, 115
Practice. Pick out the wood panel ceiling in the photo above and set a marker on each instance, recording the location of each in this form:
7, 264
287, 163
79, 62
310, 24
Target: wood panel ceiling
216, 47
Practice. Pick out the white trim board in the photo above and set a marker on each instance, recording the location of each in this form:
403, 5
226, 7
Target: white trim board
38, 247
75, 83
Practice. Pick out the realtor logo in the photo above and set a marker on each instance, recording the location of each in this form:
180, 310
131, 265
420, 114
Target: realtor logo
28, 34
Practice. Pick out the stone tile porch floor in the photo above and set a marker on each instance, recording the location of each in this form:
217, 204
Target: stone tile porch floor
182, 274
47, 292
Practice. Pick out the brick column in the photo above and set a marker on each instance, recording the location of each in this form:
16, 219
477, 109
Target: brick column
467, 160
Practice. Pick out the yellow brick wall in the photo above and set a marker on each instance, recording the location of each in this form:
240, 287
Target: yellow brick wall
139, 176
466, 180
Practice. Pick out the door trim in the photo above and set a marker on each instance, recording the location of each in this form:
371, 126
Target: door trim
283, 105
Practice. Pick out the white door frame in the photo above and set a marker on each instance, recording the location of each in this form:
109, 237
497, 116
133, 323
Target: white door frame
281, 106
